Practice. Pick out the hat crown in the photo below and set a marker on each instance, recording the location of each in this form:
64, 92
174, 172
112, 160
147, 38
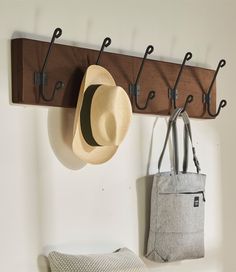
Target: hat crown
102, 117
110, 110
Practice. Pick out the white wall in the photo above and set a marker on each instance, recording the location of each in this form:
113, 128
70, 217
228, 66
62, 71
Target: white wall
44, 204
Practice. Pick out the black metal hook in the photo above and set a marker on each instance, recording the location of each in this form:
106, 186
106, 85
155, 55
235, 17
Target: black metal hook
106, 43
173, 92
207, 96
41, 77
188, 100
134, 88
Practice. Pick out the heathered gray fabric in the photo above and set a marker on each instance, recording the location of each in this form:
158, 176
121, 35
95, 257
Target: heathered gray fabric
176, 223
176, 226
123, 260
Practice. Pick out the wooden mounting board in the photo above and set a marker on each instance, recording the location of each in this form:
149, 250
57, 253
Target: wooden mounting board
68, 64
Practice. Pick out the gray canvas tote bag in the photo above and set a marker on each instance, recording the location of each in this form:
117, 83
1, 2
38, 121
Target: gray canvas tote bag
177, 204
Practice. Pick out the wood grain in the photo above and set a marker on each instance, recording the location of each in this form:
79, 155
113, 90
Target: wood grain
69, 63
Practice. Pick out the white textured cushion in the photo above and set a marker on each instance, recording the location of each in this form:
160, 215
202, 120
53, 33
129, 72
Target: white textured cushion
122, 260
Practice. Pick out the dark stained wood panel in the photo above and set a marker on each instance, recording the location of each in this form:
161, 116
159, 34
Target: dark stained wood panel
68, 64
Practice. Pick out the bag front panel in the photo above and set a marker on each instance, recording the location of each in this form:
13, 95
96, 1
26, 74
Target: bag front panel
180, 212
169, 247
179, 203
177, 217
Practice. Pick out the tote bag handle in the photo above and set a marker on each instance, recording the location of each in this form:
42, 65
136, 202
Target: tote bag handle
187, 134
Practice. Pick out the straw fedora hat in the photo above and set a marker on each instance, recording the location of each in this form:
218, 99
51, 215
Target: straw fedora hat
102, 116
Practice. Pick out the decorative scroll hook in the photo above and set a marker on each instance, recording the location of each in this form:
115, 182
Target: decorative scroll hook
41, 77
106, 43
134, 88
188, 100
173, 92
207, 96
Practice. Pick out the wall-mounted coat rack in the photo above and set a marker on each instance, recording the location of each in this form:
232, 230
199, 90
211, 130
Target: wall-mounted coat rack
50, 74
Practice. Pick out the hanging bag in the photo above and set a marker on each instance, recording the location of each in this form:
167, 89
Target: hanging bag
177, 204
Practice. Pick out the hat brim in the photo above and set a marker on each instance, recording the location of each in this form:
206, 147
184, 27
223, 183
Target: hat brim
95, 74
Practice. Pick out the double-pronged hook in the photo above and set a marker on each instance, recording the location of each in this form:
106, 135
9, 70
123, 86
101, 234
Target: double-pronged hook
106, 43
207, 96
135, 88
41, 77
173, 92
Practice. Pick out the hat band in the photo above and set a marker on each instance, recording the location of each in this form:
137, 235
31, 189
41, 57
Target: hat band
85, 115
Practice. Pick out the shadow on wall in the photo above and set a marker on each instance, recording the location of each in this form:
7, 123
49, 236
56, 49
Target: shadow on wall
60, 133
144, 187
227, 129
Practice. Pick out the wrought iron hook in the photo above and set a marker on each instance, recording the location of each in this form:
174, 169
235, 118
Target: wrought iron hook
207, 96
106, 43
188, 100
173, 92
134, 88
41, 77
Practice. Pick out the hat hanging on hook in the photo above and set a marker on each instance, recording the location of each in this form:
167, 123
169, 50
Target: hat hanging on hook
102, 116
